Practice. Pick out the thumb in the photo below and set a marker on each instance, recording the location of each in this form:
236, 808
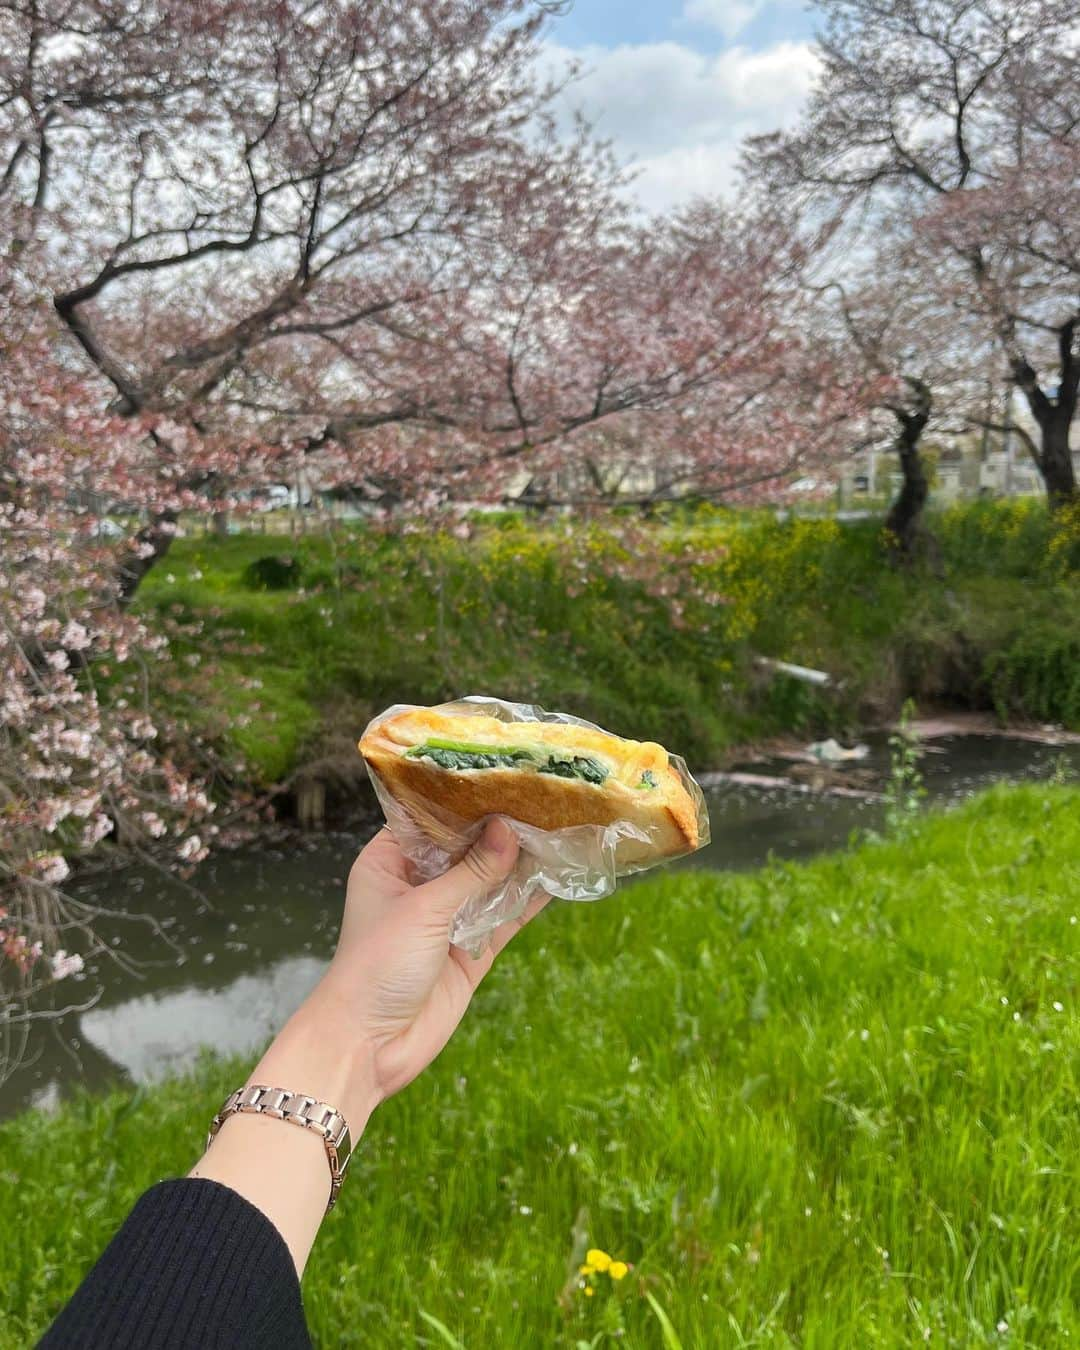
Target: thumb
490, 860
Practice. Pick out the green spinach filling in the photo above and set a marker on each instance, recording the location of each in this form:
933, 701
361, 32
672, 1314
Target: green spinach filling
461, 755
578, 766
465, 757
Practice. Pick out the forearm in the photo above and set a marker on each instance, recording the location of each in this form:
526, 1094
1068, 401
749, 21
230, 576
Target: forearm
198, 1263
278, 1167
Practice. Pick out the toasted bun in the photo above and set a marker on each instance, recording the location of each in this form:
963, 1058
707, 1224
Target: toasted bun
666, 812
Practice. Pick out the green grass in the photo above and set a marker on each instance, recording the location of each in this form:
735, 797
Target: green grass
571, 616
825, 1105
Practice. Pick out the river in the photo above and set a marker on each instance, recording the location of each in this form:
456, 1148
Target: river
224, 967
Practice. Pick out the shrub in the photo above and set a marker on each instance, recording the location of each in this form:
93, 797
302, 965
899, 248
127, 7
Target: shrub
276, 572
1038, 675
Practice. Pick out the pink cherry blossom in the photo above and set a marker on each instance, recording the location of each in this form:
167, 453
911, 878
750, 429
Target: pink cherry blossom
65, 964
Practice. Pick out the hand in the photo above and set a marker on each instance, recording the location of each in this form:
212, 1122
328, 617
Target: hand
397, 984
390, 1001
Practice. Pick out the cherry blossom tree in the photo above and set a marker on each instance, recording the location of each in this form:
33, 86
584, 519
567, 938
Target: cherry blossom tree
706, 320
82, 757
272, 227
1021, 239
924, 362
962, 110
238, 235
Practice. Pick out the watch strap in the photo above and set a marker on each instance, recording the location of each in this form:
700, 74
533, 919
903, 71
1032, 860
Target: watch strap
298, 1109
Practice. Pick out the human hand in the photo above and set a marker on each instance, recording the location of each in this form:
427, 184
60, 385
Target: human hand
390, 1001
397, 985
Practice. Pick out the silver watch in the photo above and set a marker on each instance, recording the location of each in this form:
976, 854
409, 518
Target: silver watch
297, 1109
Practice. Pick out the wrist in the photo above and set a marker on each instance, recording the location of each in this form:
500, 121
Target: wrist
314, 1054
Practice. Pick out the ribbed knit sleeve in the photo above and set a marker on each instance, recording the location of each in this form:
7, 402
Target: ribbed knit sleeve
194, 1265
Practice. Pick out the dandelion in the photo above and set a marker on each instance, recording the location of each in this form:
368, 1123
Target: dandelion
599, 1262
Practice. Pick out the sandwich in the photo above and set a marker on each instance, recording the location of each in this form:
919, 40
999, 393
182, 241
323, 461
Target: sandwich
552, 775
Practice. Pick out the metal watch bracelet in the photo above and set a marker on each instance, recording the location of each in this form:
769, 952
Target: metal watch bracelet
297, 1109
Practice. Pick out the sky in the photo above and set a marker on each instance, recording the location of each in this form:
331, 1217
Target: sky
677, 84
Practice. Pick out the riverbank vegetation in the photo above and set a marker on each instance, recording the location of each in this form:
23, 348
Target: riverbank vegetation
825, 1105
655, 630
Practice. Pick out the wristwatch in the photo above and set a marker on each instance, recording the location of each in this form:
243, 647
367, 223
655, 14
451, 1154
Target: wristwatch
297, 1109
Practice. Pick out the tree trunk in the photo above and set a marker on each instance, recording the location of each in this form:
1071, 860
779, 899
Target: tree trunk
1056, 463
149, 546
904, 521
1054, 415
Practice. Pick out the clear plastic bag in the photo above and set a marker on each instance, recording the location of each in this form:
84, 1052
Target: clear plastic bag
579, 863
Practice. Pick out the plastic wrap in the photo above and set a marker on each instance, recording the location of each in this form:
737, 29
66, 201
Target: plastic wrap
578, 863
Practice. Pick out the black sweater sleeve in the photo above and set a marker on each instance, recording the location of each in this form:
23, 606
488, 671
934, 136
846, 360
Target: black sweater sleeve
193, 1265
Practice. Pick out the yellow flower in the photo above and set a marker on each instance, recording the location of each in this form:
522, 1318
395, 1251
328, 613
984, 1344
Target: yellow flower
618, 1269
586, 1269
589, 1291
597, 1259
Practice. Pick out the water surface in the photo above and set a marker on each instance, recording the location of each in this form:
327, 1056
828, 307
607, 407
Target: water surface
226, 969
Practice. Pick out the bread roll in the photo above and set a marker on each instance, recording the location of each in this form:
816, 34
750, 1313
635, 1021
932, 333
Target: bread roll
549, 774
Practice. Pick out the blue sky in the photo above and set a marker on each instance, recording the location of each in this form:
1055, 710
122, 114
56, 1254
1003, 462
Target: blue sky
677, 84
611, 22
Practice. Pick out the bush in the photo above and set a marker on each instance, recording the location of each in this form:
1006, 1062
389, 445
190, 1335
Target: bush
1038, 676
277, 572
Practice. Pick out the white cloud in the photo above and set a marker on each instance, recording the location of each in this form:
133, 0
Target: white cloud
728, 16
679, 115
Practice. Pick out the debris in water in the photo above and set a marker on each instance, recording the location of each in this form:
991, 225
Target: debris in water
832, 752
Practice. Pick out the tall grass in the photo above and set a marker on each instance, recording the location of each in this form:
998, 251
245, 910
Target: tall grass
826, 1105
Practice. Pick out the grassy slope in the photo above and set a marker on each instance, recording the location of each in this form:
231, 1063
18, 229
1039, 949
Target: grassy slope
541, 615
828, 1105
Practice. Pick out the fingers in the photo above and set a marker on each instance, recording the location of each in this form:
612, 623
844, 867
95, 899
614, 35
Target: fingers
490, 861
383, 851
380, 866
